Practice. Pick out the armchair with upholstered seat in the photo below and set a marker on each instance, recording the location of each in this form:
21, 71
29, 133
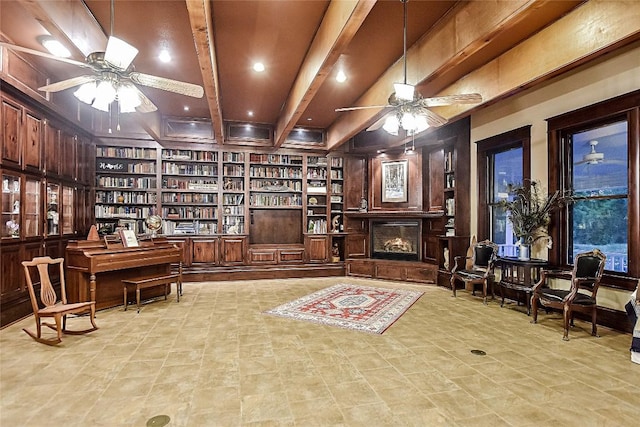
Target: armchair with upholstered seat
581, 296
48, 305
480, 271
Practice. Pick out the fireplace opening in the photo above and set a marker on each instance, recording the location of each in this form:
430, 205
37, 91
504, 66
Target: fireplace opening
395, 240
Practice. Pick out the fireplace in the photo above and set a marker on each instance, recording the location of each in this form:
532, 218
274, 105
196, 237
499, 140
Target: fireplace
395, 240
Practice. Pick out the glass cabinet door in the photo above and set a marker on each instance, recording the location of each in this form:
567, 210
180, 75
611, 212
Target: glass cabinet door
32, 215
68, 212
10, 206
53, 213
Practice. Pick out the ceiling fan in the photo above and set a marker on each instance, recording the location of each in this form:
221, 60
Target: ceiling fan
410, 110
113, 77
592, 157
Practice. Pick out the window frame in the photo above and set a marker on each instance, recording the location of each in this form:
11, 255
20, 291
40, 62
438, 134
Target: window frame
487, 148
625, 107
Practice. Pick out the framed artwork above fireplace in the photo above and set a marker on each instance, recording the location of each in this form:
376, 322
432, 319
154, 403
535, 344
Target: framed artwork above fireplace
394, 181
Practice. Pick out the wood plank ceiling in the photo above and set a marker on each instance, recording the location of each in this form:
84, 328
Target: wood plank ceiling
303, 45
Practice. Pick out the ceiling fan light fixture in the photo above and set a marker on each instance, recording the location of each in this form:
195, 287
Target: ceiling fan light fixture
392, 125
408, 121
420, 124
119, 53
128, 98
105, 95
404, 91
86, 92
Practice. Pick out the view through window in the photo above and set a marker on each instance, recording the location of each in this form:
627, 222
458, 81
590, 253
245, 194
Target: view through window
599, 180
505, 169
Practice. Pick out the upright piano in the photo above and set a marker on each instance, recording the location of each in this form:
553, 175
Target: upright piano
95, 270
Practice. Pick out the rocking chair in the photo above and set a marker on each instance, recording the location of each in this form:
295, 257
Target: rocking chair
52, 307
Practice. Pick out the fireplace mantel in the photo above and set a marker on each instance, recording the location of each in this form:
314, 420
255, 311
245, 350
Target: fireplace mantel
394, 214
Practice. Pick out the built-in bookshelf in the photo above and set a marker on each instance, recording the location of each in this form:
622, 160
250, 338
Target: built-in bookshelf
275, 180
189, 191
126, 187
203, 191
233, 193
449, 191
317, 195
336, 194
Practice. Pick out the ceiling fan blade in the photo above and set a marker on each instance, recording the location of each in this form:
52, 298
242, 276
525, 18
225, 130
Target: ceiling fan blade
377, 124
433, 119
463, 98
66, 84
361, 108
44, 54
146, 106
119, 53
170, 85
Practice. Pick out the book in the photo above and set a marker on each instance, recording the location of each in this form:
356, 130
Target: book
129, 239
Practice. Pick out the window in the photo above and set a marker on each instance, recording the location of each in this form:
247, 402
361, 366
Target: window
598, 176
502, 160
595, 153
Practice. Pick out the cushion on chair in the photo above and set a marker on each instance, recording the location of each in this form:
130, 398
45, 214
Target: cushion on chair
470, 274
560, 294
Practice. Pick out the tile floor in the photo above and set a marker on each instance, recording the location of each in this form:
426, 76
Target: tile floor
214, 359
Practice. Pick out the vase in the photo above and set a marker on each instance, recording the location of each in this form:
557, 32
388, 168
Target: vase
524, 254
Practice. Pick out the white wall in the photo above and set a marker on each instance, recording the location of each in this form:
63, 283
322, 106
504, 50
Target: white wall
615, 74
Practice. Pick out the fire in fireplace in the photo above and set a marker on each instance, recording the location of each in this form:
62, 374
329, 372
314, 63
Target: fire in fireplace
395, 240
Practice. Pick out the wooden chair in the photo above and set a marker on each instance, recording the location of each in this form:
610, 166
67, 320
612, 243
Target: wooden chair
58, 309
585, 277
483, 258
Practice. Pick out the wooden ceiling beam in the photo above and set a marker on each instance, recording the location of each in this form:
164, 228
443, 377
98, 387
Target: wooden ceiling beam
340, 23
201, 19
463, 32
593, 29
69, 21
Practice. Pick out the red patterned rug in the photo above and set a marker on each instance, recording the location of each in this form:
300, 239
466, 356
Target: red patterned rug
359, 308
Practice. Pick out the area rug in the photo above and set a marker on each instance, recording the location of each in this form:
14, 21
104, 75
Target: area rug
359, 308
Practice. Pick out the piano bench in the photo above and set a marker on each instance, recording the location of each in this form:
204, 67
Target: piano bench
150, 282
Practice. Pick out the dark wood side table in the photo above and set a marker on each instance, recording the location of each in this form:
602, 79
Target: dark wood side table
519, 276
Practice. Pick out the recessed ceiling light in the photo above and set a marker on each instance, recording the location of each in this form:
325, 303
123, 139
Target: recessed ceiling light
258, 67
55, 47
186, 108
164, 56
309, 119
250, 113
341, 77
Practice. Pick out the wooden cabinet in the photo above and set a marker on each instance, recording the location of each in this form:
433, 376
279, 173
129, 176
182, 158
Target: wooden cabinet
51, 149
205, 250
392, 270
11, 126
68, 143
355, 188
32, 142
232, 250
317, 247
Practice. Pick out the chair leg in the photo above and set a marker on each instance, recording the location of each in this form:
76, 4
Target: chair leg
567, 320
484, 292
594, 325
452, 281
534, 308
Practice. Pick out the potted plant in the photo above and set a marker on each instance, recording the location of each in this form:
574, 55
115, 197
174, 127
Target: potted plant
529, 211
